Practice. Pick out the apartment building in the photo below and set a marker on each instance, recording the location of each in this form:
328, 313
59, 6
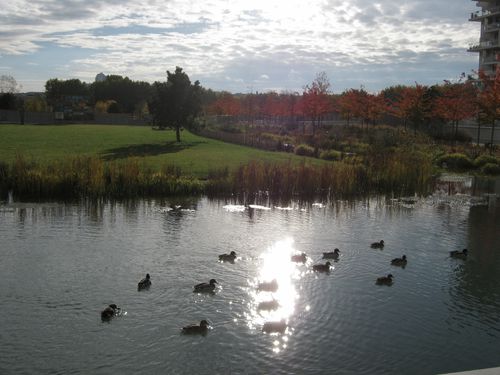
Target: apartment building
489, 42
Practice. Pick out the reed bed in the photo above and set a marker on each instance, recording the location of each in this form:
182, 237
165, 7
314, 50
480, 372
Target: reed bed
90, 177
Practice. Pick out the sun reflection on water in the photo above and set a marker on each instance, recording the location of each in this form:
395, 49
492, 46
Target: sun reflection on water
271, 308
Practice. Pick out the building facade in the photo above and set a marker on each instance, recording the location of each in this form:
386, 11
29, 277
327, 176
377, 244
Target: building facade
489, 42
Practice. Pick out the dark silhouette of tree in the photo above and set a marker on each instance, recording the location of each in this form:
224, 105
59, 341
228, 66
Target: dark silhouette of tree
176, 102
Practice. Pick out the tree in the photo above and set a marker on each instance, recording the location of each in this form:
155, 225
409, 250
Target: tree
455, 103
175, 103
315, 99
8, 85
489, 100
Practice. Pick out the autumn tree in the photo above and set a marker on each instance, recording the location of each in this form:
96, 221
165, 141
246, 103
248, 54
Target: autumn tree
176, 102
315, 99
488, 100
457, 102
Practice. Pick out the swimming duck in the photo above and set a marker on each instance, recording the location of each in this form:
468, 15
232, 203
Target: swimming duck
144, 283
268, 305
322, 267
228, 257
196, 329
459, 254
274, 327
269, 286
385, 280
332, 254
299, 258
377, 245
110, 312
399, 261
205, 287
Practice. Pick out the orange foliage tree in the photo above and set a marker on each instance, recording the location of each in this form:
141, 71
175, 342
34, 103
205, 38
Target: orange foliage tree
488, 100
316, 99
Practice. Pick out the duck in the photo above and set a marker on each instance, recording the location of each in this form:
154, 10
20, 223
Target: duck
399, 261
332, 254
377, 245
268, 305
228, 257
385, 280
205, 287
191, 329
144, 283
109, 312
322, 267
459, 254
274, 327
299, 258
268, 286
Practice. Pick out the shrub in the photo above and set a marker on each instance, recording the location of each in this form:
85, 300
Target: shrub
490, 168
455, 161
304, 150
330, 155
485, 159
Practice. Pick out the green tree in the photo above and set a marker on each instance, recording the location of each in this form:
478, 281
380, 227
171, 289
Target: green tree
175, 103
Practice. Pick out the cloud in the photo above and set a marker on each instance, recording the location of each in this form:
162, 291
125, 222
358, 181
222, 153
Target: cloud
260, 43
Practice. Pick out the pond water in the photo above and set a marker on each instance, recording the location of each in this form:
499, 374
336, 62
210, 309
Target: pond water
61, 264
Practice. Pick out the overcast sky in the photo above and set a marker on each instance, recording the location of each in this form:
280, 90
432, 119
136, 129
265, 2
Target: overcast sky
239, 45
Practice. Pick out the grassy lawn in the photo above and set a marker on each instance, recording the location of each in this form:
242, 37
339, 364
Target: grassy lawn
194, 155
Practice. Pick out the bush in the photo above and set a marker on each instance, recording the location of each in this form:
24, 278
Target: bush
304, 150
485, 159
330, 155
490, 168
455, 161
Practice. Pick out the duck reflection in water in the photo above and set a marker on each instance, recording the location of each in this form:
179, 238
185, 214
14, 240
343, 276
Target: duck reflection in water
269, 286
275, 327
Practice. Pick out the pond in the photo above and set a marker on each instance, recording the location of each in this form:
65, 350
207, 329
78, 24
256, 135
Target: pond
61, 264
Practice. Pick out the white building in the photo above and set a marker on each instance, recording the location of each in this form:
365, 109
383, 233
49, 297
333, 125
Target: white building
100, 77
489, 45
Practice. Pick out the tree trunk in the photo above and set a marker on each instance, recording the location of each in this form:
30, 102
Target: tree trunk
178, 133
492, 136
478, 130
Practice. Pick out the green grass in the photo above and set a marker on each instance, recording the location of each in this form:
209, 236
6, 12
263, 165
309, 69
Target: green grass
195, 155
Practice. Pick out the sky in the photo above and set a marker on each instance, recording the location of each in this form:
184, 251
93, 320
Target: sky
240, 46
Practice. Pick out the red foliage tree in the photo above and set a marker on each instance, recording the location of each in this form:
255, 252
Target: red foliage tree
316, 99
457, 102
488, 100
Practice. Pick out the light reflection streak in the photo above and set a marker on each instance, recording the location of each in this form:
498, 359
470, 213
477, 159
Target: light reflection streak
279, 305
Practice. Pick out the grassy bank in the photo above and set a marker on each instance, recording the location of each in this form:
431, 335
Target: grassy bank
195, 156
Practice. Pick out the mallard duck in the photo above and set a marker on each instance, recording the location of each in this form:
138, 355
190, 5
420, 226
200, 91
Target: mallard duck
110, 312
196, 329
269, 286
268, 305
205, 287
459, 254
144, 283
299, 258
377, 245
228, 257
399, 261
332, 254
274, 327
385, 280
322, 267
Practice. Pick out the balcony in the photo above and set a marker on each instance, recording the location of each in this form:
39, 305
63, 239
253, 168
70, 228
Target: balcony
488, 44
481, 14
492, 27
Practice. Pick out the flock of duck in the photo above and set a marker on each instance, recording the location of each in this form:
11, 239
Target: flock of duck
113, 310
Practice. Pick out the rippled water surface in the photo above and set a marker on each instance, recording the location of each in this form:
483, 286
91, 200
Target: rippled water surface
61, 264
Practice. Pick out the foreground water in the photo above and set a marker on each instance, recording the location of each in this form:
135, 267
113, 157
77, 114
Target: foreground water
61, 264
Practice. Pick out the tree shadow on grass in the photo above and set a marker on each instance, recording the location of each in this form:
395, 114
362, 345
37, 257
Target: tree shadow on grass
151, 149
